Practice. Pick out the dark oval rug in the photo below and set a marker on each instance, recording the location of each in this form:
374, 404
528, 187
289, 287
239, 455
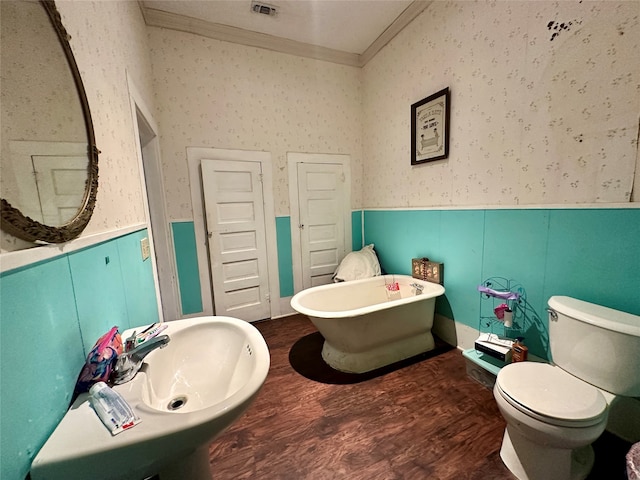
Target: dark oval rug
305, 358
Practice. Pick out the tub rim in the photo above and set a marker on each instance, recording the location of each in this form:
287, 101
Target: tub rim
435, 290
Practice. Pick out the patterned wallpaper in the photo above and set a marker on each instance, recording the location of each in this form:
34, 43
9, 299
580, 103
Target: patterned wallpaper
545, 105
217, 94
545, 101
27, 33
112, 42
109, 40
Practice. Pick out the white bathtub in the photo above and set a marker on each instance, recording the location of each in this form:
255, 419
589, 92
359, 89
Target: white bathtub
363, 329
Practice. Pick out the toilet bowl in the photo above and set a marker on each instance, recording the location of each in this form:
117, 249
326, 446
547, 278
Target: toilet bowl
554, 411
552, 419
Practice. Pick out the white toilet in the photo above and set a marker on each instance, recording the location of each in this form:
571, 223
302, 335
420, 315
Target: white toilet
554, 411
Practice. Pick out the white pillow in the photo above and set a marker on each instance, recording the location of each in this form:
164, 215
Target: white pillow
357, 265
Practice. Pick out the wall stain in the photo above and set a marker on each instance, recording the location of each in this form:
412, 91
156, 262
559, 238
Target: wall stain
558, 27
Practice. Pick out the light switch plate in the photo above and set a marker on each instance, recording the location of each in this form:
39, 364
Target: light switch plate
144, 248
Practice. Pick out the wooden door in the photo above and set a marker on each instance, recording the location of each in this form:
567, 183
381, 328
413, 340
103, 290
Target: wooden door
234, 212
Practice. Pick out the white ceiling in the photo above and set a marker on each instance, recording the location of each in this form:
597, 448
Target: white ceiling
345, 26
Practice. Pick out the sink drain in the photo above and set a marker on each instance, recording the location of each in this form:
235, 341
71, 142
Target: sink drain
177, 403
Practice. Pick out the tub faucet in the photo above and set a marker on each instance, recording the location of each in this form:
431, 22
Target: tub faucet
418, 288
129, 363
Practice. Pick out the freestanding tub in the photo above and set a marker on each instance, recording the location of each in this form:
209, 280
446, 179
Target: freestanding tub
363, 328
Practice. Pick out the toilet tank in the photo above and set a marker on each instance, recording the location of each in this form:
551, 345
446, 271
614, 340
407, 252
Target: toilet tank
596, 344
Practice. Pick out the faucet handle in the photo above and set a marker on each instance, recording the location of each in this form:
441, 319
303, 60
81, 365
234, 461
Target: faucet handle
126, 368
128, 363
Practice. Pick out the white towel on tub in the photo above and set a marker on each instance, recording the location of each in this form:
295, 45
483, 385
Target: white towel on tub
357, 265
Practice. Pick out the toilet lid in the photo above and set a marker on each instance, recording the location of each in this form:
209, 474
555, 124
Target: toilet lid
551, 392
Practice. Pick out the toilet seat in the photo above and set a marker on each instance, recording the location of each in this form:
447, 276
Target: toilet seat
551, 395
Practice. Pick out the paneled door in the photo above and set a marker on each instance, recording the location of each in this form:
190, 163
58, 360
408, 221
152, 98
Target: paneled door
320, 215
58, 178
234, 212
320, 190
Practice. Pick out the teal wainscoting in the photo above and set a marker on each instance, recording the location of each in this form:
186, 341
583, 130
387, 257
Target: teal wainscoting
184, 241
356, 230
187, 262
285, 254
285, 259
51, 313
591, 254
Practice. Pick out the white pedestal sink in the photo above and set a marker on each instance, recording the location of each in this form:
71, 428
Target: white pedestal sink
186, 394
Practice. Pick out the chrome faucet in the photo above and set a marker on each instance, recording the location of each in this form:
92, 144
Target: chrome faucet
418, 288
129, 363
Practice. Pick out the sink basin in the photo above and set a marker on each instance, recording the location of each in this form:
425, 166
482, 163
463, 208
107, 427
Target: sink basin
203, 367
186, 394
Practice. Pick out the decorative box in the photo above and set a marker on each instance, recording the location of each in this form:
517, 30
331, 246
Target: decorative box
424, 269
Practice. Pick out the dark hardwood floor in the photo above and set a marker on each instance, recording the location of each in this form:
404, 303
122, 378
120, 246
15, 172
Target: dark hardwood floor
426, 420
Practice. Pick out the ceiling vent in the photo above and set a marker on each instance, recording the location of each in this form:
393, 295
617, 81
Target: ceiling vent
263, 8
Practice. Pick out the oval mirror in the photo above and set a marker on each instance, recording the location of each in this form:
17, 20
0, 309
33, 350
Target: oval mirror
48, 156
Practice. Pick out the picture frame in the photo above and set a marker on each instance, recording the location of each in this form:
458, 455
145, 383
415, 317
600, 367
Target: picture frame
430, 128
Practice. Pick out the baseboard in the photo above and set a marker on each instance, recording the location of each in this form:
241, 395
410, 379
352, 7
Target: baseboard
454, 333
286, 310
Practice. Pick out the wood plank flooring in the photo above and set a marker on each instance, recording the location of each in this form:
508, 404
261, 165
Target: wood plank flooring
427, 420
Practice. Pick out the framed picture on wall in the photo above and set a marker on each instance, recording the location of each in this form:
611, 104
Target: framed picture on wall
430, 128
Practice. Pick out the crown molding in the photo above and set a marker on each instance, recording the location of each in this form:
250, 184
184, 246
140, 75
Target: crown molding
159, 18
404, 19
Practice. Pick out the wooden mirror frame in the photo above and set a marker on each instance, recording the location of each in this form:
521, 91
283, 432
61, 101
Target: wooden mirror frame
12, 220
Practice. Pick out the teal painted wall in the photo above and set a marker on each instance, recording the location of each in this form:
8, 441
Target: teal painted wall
285, 262
285, 258
184, 241
187, 262
591, 254
356, 230
51, 314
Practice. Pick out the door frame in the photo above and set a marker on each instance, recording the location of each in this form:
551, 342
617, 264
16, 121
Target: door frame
293, 159
194, 156
160, 242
